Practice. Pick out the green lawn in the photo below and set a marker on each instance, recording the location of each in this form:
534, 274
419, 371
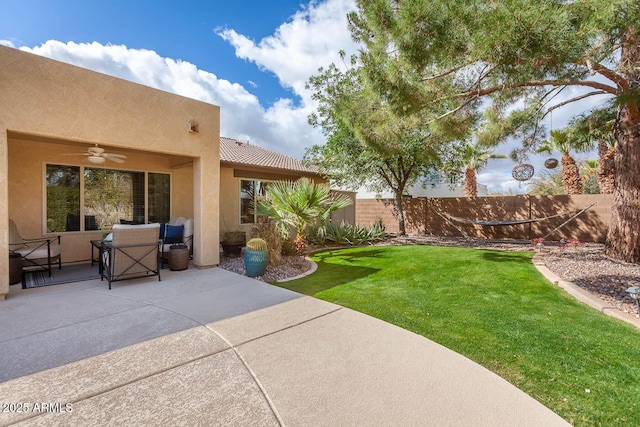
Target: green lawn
497, 309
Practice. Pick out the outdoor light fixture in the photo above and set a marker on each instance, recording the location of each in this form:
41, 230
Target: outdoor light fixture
96, 160
634, 293
193, 126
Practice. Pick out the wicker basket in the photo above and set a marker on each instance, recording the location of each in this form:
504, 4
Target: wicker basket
178, 257
255, 262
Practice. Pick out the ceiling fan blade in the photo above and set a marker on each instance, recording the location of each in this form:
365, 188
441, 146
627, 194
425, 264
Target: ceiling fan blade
75, 154
114, 159
111, 156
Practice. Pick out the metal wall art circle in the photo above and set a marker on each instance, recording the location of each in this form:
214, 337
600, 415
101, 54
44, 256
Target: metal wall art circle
522, 171
551, 163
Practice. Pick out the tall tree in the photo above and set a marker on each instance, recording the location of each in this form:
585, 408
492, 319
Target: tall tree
367, 143
561, 140
475, 157
417, 52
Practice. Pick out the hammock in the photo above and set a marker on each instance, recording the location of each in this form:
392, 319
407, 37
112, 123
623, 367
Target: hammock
497, 223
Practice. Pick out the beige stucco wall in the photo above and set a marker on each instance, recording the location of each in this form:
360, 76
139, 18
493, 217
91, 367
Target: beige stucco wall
49, 99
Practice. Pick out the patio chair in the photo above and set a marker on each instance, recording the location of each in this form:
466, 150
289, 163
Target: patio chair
176, 231
37, 254
132, 253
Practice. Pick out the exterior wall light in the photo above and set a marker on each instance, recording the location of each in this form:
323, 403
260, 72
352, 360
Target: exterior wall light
193, 126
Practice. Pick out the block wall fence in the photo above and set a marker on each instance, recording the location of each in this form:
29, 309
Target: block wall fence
422, 216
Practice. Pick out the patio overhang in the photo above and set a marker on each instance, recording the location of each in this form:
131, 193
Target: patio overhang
48, 108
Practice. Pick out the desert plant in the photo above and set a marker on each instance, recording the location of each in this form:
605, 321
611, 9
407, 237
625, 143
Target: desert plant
266, 229
257, 244
298, 205
346, 234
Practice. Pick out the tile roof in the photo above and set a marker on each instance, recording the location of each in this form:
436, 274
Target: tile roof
244, 153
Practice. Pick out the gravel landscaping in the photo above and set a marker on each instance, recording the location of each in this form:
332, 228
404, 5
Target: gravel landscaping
586, 266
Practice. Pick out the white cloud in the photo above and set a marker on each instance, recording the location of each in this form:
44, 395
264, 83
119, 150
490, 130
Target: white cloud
293, 53
310, 39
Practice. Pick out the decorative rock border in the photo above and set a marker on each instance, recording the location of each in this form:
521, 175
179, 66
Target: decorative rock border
581, 294
312, 270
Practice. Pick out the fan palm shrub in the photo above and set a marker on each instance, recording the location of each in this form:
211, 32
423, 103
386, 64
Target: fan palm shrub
294, 206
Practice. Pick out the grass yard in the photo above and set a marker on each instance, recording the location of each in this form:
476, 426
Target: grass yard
495, 308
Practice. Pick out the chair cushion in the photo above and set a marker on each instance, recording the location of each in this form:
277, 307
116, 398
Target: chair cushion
174, 233
188, 228
163, 230
39, 253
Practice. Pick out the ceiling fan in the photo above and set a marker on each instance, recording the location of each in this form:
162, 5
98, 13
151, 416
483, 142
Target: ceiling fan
97, 156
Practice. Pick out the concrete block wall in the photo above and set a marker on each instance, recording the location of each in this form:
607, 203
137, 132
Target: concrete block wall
427, 216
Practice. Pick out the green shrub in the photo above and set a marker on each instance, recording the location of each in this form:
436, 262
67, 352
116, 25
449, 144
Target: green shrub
346, 234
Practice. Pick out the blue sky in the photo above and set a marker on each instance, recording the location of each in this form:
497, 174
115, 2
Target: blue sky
252, 58
185, 30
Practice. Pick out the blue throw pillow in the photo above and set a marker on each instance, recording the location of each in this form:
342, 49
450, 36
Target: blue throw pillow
173, 233
163, 228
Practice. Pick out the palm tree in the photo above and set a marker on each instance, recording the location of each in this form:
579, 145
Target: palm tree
475, 157
598, 126
298, 205
562, 141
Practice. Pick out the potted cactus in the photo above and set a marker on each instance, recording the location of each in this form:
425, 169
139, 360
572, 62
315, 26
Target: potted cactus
256, 257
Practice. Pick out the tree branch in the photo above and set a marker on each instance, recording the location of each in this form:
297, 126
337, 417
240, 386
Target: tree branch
611, 75
450, 112
446, 73
577, 98
535, 83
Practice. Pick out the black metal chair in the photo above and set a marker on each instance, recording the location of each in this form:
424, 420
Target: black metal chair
37, 254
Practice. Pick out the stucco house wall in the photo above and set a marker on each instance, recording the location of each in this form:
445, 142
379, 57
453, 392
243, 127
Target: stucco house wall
43, 101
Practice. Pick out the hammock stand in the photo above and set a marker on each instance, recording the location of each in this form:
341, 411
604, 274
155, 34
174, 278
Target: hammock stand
496, 223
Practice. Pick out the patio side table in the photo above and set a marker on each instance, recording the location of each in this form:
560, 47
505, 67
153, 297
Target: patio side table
178, 257
97, 244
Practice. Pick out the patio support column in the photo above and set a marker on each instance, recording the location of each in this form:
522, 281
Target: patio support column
206, 209
4, 214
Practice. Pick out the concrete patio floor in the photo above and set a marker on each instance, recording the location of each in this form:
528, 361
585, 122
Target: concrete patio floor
210, 347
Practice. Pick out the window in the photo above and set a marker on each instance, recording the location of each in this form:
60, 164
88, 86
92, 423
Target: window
109, 196
249, 190
63, 198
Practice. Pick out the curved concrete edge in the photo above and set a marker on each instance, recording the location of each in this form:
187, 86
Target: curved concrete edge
312, 270
348, 368
314, 266
581, 294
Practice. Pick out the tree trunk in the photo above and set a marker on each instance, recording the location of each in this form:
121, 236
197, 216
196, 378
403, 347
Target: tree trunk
470, 183
623, 237
606, 168
570, 176
400, 212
